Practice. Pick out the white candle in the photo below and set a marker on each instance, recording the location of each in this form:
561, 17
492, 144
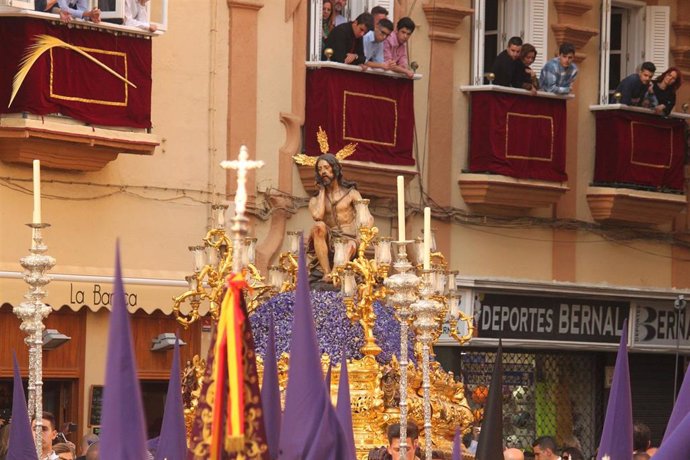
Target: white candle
427, 238
401, 208
37, 192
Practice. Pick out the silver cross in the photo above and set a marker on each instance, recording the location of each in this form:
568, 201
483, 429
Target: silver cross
241, 165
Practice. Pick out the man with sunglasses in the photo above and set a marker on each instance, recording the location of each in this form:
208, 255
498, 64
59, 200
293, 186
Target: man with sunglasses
49, 434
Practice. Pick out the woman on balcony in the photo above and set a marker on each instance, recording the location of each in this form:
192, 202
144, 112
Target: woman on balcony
665, 87
327, 21
523, 76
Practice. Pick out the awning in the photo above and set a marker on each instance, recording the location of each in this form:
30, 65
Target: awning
95, 292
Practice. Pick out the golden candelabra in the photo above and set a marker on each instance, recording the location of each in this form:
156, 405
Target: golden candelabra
359, 297
212, 264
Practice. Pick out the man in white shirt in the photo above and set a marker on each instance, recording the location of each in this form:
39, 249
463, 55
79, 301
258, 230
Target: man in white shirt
49, 434
137, 14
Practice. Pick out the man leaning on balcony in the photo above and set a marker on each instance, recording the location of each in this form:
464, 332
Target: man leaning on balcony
395, 47
137, 15
346, 40
558, 74
505, 63
373, 45
636, 89
70, 9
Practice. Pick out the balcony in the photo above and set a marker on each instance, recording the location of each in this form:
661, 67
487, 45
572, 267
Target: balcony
517, 150
372, 109
639, 172
85, 96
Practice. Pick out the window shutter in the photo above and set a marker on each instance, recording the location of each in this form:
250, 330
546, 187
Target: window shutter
478, 42
536, 30
657, 36
604, 52
315, 30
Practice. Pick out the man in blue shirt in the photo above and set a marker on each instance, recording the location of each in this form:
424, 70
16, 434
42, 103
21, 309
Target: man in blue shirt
373, 45
70, 9
558, 74
636, 89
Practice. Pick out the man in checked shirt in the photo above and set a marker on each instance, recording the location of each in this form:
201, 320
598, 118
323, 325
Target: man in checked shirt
558, 75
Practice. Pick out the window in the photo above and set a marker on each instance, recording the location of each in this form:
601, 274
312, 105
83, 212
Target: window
353, 8
25, 4
631, 33
114, 11
111, 10
495, 21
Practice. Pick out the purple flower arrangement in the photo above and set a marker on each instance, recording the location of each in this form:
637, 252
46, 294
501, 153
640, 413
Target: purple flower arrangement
335, 332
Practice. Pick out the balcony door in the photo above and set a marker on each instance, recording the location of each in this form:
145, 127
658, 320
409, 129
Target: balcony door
495, 21
353, 8
631, 33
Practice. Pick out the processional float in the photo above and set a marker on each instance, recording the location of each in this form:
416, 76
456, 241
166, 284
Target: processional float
411, 304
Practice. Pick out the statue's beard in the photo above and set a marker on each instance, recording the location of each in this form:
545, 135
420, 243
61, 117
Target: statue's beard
326, 180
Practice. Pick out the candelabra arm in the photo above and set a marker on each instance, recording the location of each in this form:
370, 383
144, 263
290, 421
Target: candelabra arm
462, 338
362, 310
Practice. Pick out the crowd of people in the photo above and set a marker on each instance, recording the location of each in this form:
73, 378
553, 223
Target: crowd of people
136, 12
543, 448
55, 445
370, 40
512, 68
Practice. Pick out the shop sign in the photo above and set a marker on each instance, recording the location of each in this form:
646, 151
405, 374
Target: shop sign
660, 325
523, 317
97, 296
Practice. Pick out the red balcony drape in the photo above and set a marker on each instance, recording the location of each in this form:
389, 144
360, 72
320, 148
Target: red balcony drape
63, 81
639, 149
518, 136
375, 111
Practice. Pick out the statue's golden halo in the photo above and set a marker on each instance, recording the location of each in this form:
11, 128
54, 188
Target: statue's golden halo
322, 138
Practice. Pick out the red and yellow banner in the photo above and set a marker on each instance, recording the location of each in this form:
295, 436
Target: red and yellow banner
229, 421
228, 412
